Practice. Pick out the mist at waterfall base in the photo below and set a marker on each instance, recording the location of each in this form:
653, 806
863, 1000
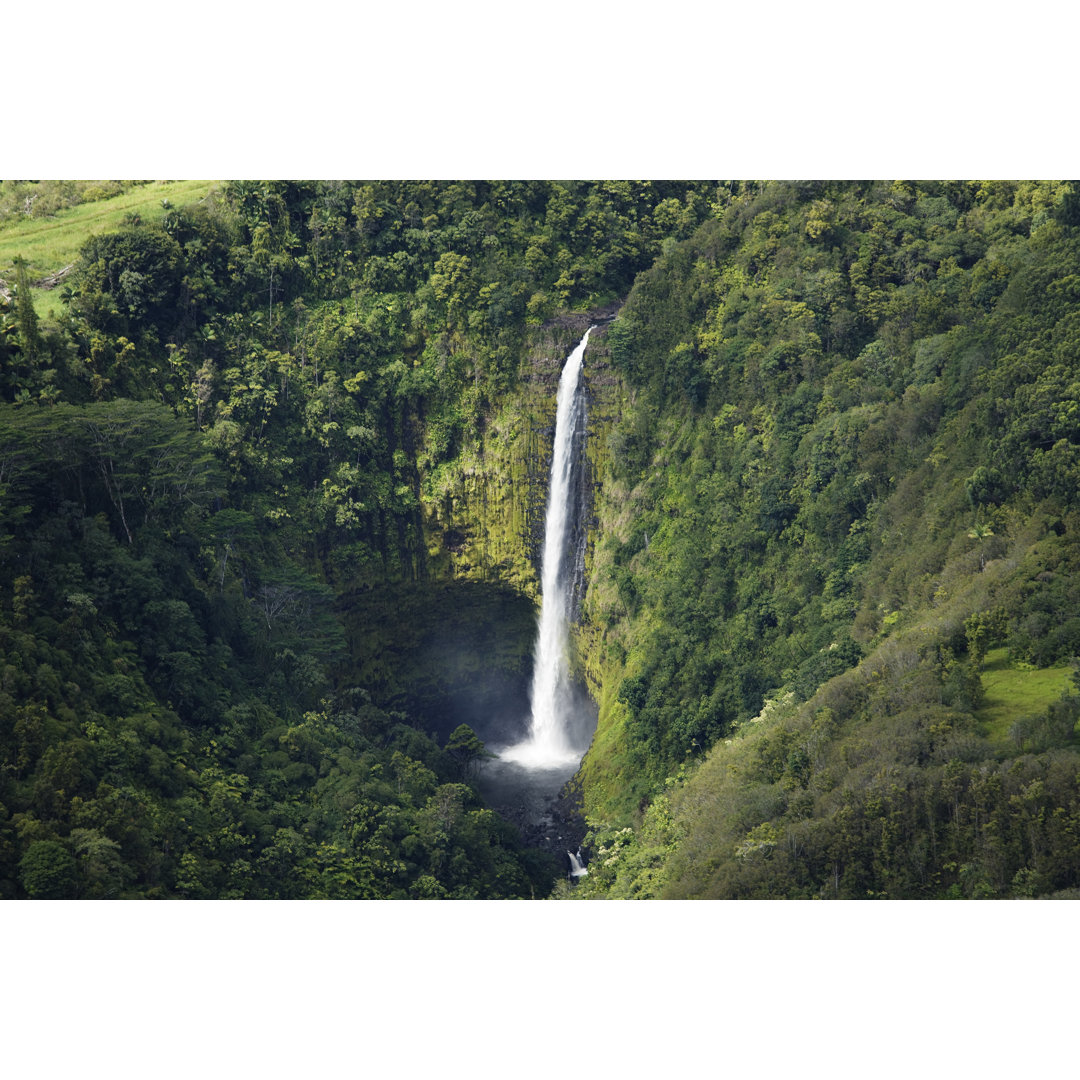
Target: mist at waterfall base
529, 774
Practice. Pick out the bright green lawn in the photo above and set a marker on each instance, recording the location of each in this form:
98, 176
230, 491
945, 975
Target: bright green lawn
1013, 694
49, 244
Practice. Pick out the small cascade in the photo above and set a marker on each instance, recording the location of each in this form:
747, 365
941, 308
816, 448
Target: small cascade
577, 869
550, 742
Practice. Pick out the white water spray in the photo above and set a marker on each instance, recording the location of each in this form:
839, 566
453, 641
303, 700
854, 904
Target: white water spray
577, 869
549, 742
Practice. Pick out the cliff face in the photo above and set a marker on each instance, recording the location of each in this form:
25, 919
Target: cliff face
456, 646
484, 512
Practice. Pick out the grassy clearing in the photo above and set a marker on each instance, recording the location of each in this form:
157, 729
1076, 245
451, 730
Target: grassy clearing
50, 243
1013, 694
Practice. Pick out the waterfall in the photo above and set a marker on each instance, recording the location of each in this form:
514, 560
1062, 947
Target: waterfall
550, 741
576, 869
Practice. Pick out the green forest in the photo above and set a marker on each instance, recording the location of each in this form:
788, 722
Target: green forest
272, 470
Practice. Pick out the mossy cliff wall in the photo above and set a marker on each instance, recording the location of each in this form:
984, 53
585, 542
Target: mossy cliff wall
484, 512
456, 645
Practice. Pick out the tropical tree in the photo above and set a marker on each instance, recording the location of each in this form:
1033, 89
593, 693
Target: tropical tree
466, 748
47, 871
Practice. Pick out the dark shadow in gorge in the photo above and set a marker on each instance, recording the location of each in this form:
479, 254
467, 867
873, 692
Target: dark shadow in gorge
445, 653
461, 652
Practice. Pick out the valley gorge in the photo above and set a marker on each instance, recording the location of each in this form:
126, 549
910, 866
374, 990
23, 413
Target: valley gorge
274, 469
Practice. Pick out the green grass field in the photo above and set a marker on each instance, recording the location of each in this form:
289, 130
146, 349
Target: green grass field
1014, 694
50, 243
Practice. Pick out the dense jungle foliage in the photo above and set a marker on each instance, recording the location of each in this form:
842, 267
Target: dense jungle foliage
843, 551
226, 430
833, 608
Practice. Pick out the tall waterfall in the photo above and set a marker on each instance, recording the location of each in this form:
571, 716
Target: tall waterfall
550, 731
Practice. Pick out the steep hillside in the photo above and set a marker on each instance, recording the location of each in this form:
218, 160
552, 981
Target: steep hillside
845, 492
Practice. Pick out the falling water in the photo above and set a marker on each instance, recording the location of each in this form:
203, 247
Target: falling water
550, 740
577, 869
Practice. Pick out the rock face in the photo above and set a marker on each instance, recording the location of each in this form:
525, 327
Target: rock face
453, 642
484, 525
484, 514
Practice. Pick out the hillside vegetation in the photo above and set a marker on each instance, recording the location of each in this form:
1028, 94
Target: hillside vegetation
838, 586
213, 475
251, 479
46, 223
